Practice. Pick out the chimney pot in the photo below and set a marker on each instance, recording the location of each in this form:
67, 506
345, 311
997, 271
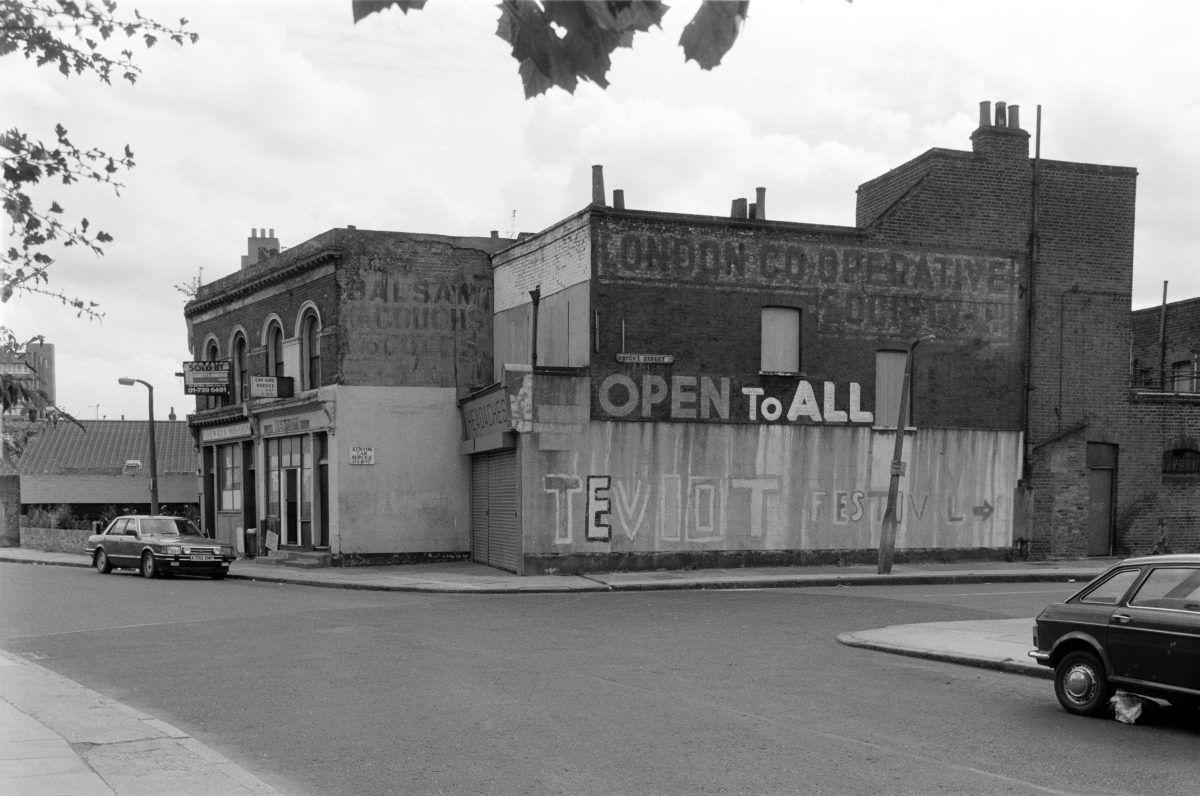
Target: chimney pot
1001, 115
752, 211
495, 234
272, 232
738, 209
985, 114
760, 200
618, 199
598, 185
1014, 117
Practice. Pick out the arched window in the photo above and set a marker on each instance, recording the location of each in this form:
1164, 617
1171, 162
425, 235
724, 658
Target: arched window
310, 341
211, 354
241, 372
274, 349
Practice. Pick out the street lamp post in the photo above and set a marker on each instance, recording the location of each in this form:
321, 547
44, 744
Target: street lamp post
153, 446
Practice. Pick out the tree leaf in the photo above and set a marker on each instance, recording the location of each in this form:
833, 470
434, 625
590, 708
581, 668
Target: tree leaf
712, 31
364, 8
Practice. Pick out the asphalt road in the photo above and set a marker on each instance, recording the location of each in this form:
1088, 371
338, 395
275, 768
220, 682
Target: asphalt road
325, 691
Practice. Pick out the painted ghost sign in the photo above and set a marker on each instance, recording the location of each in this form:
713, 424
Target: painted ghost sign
857, 290
650, 396
416, 324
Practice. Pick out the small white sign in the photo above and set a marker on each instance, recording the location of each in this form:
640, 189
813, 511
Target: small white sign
361, 455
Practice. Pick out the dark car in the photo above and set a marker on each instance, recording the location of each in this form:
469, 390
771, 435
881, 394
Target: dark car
158, 545
1136, 627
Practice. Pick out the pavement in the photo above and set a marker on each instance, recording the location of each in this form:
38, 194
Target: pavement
57, 737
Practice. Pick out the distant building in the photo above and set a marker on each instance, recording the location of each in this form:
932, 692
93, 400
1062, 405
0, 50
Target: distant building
90, 469
34, 367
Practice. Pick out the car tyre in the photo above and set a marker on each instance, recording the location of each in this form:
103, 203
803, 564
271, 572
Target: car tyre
101, 563
1081, 684
149, 566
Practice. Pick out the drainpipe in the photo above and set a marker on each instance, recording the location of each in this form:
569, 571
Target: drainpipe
536, 296
1034, 244
1162, 343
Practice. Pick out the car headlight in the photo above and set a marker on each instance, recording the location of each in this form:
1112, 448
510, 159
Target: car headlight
174, 549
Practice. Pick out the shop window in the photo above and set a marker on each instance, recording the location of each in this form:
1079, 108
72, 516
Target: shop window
229, 475
889, 382
310, 337
780, 340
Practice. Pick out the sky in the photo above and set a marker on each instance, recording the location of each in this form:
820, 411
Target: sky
288, 116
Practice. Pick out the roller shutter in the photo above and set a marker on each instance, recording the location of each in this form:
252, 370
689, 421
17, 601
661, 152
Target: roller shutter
495, 524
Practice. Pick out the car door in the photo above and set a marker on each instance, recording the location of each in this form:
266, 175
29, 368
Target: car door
1155, 636
116, 543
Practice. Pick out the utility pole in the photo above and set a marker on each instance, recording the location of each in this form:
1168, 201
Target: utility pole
887, 536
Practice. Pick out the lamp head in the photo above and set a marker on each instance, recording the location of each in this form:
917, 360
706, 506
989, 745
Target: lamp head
126, 381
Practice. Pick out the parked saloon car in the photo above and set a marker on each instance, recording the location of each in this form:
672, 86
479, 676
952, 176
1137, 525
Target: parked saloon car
158, 545
1136, 627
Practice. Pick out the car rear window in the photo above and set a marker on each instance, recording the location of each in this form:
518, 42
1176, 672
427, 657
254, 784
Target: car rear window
1110, 590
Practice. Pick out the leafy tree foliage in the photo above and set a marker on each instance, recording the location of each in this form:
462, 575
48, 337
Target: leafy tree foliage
560, 42
75, 38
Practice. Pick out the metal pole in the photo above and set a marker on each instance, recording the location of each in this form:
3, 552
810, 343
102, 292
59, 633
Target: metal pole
153, 444
153, 453
887, 536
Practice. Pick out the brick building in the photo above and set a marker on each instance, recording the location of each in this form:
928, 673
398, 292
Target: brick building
333, 420
1164, 505
688, 390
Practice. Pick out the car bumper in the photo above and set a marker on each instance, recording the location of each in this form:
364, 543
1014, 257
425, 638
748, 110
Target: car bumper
184, 564
1041, 657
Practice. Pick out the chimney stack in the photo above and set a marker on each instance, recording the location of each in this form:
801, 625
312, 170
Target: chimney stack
598, 185
259, 246
1000, 135
618, 199
760, 202
738, 210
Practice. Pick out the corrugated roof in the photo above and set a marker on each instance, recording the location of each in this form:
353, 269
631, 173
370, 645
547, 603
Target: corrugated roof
103, 446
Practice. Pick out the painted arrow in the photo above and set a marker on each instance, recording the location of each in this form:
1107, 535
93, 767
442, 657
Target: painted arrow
984, 511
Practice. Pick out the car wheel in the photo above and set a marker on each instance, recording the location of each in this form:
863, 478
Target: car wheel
101, 563
1081, 684
149, 565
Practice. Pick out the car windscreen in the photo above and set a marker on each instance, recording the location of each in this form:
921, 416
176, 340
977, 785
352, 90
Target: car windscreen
168, 526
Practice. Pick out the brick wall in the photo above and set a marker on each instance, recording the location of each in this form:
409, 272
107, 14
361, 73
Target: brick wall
694, 289
54, 540
1181, 333
395, 308
1079, 319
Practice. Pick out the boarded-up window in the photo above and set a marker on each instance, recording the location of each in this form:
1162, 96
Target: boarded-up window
889, 380
780, 340
1181, 461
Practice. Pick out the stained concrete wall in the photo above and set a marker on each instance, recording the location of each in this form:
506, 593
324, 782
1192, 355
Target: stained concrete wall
415, 496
